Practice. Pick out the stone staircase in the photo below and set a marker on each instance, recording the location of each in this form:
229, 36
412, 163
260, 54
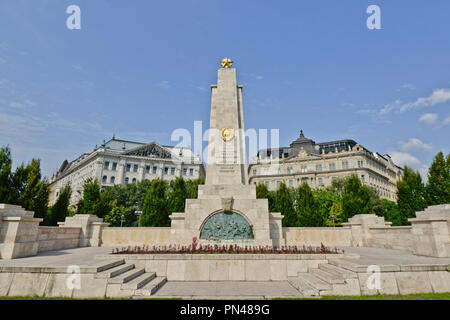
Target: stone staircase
127, 280
327, 279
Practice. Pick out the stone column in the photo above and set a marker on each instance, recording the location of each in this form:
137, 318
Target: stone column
18, 232
360, 225
431, 231
91, 228
96, 235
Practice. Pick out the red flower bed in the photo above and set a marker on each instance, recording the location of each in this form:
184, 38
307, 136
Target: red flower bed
195, 248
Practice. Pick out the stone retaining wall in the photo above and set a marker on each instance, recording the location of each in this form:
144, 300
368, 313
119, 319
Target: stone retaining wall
56, 238
226, 267
331, 237
112, 237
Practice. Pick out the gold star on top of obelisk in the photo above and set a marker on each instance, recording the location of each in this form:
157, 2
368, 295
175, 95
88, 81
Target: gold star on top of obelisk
226, 63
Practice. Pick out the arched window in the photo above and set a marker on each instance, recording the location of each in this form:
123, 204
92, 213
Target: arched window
134, 180
126, 180
104, 179
113, 179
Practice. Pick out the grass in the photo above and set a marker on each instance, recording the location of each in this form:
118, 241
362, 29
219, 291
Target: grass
419, 296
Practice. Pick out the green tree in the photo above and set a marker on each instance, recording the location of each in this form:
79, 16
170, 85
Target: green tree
438, 185
285, 206
410, 195
154, 211
177, 196
325, 199
306, 208
192, 187
34, 196
5, 174
388, 210
114, 217
336, 214
91, 197
60, 210
263, 193
18, 183
355, 199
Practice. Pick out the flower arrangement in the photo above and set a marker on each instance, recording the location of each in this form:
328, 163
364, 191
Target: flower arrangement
196, 248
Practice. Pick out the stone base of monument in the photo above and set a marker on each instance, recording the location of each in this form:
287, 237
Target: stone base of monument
227, 214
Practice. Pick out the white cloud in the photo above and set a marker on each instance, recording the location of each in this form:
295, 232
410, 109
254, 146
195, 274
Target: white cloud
438, 96
404, 158
429, 118
164, 84
415, 145
390, 106
446, 121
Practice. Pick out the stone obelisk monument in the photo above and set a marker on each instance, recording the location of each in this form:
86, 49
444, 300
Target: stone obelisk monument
227, 209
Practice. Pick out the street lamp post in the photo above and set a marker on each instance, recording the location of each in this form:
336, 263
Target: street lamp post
121, 220
138, 213
332, 217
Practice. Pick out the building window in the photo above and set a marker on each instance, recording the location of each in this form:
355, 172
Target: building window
154, 170
104, 179
135, 168
266, 171
363, 179
304, 180
291, 183
332, 166
344, 164
290, 170
166, 170
304, 169
114, 166
278, 184
267, 184
113, 179
333, 179
319, 168
184, 172
254, 172
106, 165
191, 172
360, 164
172, 171
128, 167
127, 180
278, 170
133, 181
147, 169
320, 182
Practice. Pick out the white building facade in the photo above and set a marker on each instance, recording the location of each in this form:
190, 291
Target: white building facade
119, 162
318, 164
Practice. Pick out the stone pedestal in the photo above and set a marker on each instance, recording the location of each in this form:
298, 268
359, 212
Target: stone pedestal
91, 228
431, 231
227, 209
18, 232
360, 226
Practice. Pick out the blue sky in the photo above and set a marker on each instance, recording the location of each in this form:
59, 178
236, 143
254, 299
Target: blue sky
141, 69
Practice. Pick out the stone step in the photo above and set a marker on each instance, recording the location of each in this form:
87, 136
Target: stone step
114, 272
103, 265
344, 273
127, 276
139, 281
347, 265
314, 282
304, 288
327, 277
151, 287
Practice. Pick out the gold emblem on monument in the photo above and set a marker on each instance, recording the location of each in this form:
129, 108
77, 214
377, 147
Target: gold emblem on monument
227, 134
226, 63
